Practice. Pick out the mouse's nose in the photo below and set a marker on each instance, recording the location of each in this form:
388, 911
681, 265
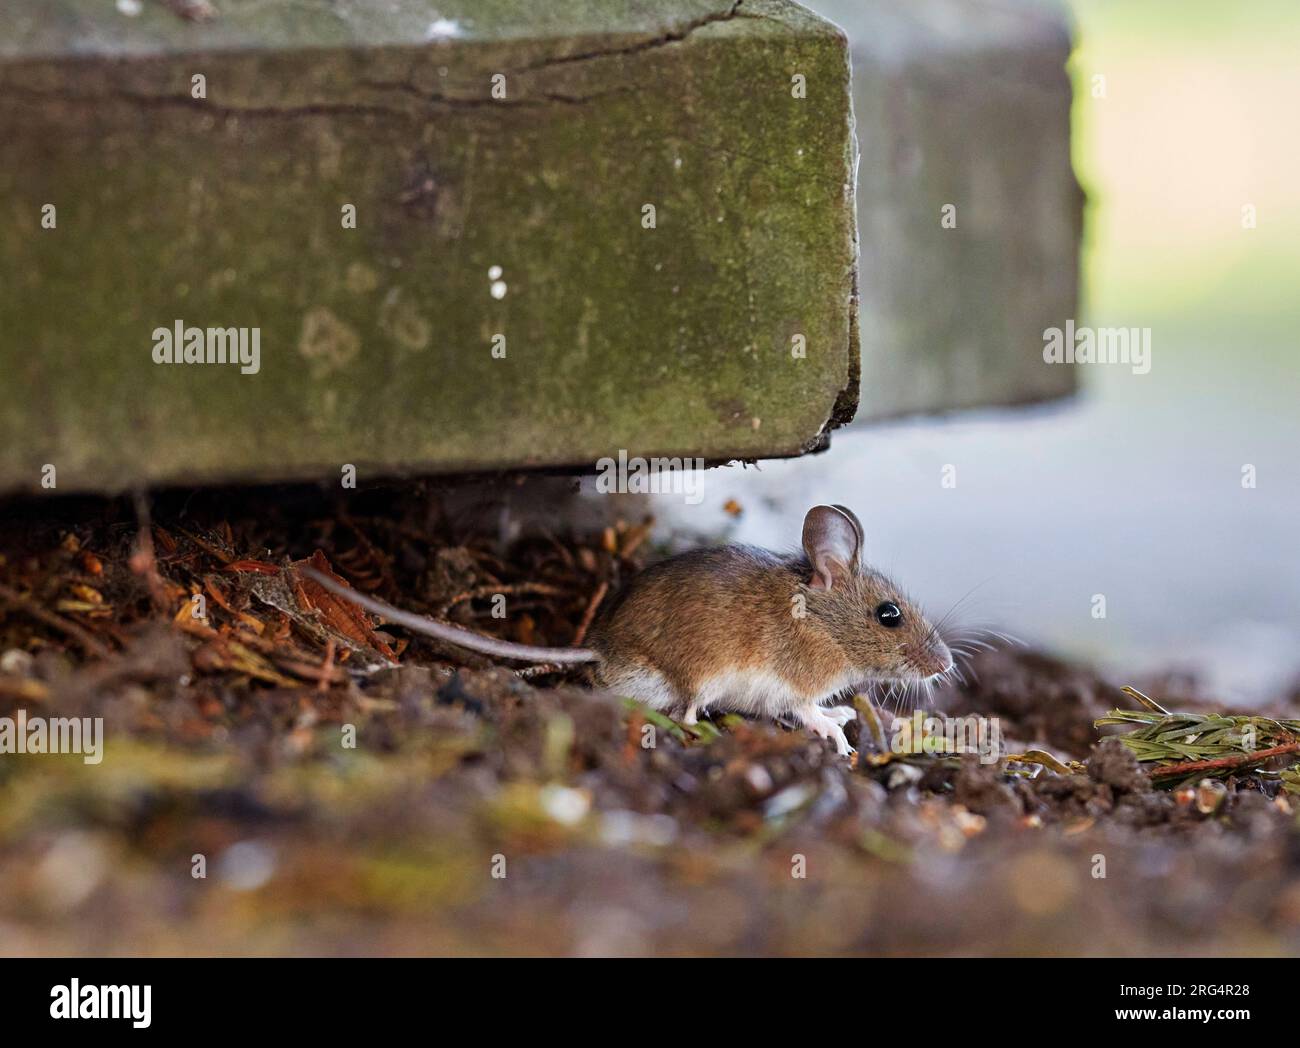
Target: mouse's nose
942, 655
936, 659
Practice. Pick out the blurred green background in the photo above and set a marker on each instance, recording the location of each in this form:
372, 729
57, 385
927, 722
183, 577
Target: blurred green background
1199, 118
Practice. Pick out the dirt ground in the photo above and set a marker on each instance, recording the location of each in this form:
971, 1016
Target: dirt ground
336, 803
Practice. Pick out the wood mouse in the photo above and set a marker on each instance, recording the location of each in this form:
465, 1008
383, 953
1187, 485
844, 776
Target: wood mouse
739, 628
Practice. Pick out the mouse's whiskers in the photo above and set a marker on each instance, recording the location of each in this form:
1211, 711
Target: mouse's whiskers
936, 628
968, 641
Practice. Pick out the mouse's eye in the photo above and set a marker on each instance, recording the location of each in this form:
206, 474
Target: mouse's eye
889, 615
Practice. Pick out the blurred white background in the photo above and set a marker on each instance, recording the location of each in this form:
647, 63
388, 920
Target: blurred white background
1134, 489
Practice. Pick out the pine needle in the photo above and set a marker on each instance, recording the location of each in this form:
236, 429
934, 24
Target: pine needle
1187, 747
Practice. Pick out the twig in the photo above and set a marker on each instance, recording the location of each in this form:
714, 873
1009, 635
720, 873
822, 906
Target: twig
581, 634
24, 688
83, 637
328, 669
143, 562
369, 550
540, 670
637, 535
542, 589
1167, 771
213, 551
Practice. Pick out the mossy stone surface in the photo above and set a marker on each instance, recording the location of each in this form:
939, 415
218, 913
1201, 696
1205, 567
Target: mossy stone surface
476, 217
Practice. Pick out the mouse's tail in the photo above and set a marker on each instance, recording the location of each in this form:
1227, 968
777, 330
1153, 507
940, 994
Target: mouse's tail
445, 631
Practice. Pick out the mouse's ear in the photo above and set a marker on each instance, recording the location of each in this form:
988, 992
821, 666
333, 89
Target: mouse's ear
857, 525
832, 538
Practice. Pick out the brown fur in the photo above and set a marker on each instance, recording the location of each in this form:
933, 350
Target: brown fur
732, 608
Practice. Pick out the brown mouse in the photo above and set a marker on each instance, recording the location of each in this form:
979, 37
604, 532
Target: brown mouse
739, 628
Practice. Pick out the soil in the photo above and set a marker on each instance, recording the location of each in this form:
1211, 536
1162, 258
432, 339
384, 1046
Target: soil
343, 788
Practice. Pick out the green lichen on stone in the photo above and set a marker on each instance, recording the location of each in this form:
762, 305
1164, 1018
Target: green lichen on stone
376, 342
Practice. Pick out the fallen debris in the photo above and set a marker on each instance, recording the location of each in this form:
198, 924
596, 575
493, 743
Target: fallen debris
383, 781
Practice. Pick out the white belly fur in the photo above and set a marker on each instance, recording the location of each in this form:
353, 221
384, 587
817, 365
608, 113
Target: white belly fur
648, 686
762, 693
756, 692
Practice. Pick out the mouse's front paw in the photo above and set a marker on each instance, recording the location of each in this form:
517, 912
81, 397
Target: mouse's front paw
820, 723
842, 715
841, 741
842, 746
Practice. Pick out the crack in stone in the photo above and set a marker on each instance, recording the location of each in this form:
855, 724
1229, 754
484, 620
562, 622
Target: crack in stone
544, 98
434, 98
675, 37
